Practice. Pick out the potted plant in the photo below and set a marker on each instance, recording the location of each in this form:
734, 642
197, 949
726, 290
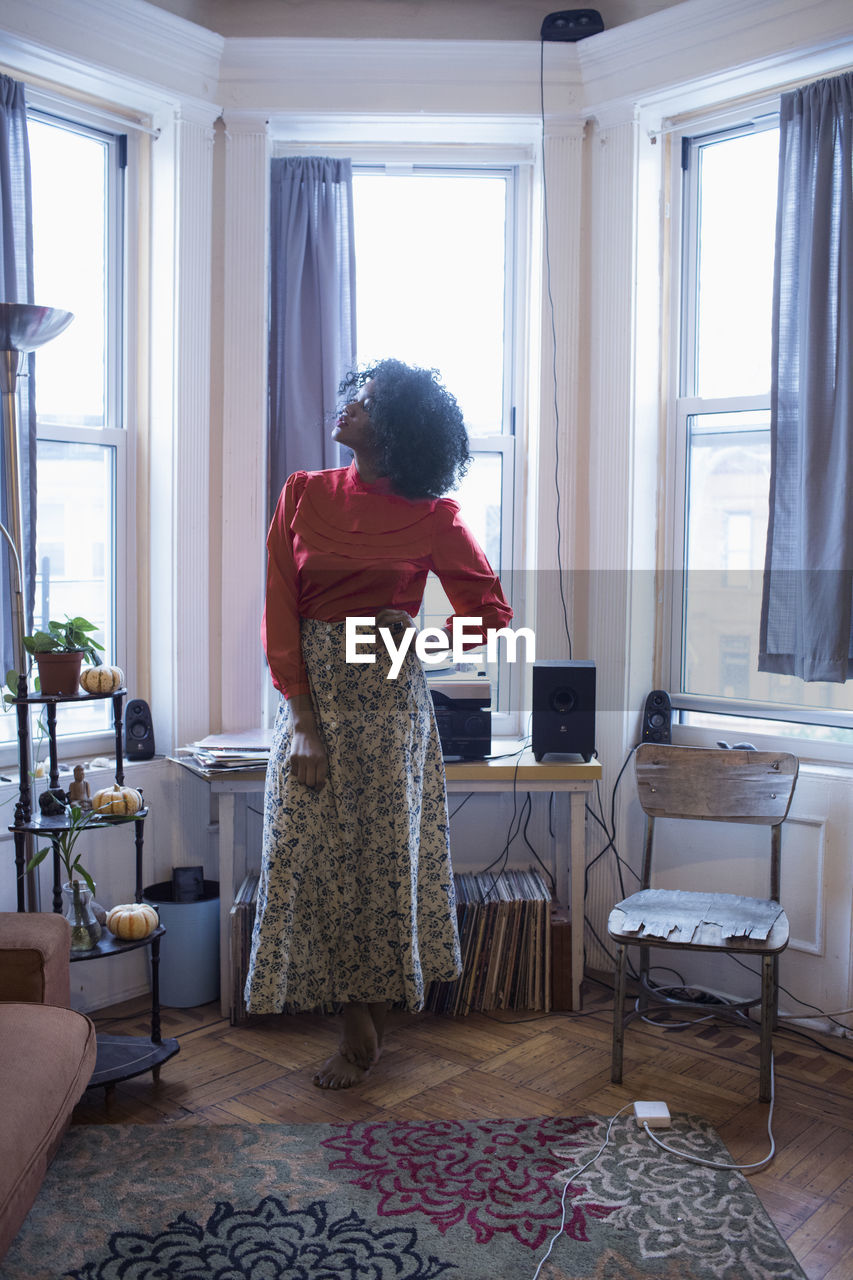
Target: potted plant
78, 892
59, 654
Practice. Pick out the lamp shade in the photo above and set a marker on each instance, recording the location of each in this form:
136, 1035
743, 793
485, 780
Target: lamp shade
24, 327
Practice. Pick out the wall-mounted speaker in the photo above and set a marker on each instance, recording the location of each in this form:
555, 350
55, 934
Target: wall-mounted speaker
571, 24
138, 730
657, 717
563, 708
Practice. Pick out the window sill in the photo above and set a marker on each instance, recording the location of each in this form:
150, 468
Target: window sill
100, 773
806, 750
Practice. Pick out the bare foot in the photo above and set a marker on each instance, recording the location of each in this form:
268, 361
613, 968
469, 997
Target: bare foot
361, 1044
338, 1072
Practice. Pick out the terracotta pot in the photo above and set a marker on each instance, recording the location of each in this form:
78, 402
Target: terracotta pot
59, 673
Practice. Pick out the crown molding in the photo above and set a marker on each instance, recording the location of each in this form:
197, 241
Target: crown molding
126, 51
704, 52
398, 77
693, 56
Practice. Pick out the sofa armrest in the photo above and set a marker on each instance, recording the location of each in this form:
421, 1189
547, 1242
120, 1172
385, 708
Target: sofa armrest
34, 958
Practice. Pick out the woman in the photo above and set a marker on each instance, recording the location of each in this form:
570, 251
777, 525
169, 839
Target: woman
356, 903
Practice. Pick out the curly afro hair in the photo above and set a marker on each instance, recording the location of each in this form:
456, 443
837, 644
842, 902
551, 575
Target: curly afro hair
422, 444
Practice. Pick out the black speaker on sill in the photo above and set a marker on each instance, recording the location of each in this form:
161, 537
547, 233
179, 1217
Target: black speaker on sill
138, 730
563, 708
657, 717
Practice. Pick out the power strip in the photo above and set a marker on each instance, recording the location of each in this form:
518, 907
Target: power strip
654, 1114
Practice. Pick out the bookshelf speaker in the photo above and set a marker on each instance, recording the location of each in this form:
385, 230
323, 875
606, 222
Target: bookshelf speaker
138, 731
657, 717
564, 708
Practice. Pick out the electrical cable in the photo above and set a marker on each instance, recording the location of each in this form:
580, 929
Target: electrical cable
803, 1035
576, 1174
713, 1164
829, 1016
610, 831
552, 883
552, 314
461, 805
631, 971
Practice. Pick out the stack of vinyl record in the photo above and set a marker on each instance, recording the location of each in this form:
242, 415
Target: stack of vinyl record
242, 923
505, 938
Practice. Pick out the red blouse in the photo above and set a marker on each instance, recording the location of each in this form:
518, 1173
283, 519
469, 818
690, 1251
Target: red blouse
341, 548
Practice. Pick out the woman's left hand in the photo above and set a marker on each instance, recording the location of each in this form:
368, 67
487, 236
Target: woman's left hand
394, 618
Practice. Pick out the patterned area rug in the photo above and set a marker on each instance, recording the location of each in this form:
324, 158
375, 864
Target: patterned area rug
412, 1201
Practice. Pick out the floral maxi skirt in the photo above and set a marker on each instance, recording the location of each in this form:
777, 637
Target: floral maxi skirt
356, 898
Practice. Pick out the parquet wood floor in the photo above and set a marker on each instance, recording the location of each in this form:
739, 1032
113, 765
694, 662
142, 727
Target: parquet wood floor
513, 1064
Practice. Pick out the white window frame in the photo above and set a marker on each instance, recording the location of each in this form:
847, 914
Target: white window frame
121, 387
729, 713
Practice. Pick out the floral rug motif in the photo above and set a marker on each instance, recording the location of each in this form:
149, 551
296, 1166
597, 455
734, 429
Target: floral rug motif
495, 1176
416, 1200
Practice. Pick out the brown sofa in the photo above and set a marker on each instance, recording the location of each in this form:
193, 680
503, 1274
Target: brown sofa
47, 1055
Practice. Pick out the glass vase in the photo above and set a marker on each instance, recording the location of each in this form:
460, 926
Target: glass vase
77, 900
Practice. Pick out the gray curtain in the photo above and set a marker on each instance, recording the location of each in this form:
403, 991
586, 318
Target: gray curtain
16, 285
312, 311
807, 602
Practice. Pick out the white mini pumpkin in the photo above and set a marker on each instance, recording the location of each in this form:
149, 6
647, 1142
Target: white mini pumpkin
132, 920
101, 679
117, 800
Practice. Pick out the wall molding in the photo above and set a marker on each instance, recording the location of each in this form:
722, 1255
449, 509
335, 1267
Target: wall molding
125, 51
815, 946
389, 77
244, 418
703, 52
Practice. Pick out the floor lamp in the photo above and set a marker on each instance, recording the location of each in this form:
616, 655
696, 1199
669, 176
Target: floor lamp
23, 328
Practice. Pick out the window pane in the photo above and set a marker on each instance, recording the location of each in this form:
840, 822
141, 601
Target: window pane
75, 552
726, 531
430, 254
69, 177
479, 498
737, 230
75, 560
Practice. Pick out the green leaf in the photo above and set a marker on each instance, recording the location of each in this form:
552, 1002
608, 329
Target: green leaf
40, 642
37, 858
84, 874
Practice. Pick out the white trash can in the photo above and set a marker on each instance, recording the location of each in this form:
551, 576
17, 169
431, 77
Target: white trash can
189, 949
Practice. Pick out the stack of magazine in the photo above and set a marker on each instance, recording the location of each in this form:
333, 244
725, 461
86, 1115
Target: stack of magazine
221, 751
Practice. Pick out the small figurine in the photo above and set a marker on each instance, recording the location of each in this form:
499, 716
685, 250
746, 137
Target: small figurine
52, 803
78, 791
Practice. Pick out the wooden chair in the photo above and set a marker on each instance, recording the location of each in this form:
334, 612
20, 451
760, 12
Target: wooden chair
717, 786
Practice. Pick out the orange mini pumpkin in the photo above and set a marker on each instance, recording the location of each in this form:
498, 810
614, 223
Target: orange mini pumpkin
101, 679
132, 920
117, 800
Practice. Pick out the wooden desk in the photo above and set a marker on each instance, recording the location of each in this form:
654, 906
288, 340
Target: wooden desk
570, 779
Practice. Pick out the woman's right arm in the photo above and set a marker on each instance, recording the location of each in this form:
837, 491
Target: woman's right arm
282, 641
280, 627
